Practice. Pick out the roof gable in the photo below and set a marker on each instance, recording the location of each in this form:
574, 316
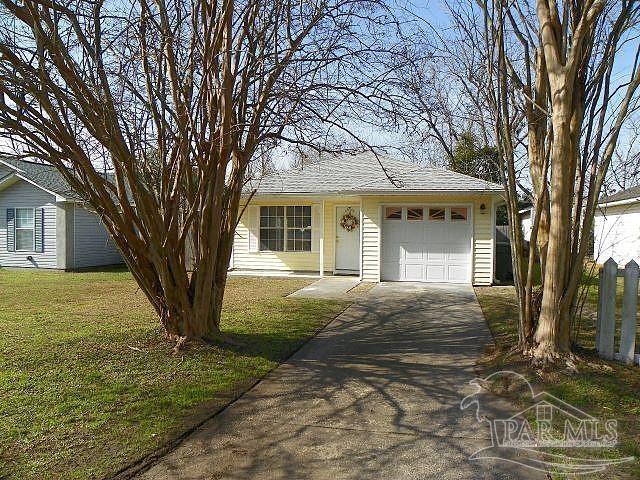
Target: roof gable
366, 173
41, 175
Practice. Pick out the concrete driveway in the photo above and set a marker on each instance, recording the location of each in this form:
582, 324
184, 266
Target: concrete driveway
375, 395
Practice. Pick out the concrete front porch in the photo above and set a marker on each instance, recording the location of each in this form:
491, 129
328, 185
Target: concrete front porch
328, 287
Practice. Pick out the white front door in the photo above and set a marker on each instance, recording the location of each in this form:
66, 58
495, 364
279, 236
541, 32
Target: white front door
347, 243
427, 243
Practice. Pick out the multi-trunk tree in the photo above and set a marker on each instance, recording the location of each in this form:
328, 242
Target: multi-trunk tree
550, 84
154, 110
552, 66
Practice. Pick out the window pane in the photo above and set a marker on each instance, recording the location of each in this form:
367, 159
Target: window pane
306, 216
298, 228
24, 239
272, 228
436, 214
24, 218
393, 213
415, 213
459, 214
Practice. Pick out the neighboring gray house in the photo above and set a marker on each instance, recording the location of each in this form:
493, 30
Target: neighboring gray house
44, 224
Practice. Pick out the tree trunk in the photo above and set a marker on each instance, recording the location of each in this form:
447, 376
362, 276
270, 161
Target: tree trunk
551, 338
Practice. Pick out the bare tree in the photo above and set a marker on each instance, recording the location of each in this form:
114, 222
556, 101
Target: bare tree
553, 64
175, 99
625, 164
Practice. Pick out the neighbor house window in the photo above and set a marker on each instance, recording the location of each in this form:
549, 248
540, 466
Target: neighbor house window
458, 214
285, 228
393, 213
436, 214
24, 229
415, 213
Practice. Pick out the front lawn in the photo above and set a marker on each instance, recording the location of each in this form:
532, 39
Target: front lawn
87, 382
602, 389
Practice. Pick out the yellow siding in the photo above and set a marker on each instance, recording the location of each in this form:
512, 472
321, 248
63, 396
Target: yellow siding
370, 239
483, 242
244, 259
371, 223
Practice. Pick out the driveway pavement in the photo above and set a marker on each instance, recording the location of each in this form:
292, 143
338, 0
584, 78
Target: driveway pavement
375, 396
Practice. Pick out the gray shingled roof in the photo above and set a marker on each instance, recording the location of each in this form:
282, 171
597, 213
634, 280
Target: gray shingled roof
363, 173
43, 175
628, 194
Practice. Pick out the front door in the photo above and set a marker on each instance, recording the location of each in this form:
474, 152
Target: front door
347, 240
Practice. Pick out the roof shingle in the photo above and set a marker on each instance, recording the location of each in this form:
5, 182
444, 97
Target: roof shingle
365, 173
628, 194
43, 175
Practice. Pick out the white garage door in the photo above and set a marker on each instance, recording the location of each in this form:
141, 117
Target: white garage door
426, 244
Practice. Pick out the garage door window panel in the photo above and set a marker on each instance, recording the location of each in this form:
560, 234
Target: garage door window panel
459, 214
415, 214
437, 214
393, 213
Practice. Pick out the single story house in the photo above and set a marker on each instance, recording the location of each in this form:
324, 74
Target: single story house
44, 224
375, 217
616, 230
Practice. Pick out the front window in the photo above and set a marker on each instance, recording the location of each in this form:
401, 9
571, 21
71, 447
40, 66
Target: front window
24, 229
285, 228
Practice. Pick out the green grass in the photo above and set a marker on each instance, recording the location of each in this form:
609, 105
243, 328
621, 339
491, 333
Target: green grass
88, 384
600, 388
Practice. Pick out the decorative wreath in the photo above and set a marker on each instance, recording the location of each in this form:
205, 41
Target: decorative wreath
349, 221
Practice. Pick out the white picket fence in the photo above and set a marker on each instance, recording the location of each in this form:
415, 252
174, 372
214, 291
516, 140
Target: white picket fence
606, 326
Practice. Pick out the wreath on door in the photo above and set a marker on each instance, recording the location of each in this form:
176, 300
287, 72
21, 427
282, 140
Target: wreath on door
349, 221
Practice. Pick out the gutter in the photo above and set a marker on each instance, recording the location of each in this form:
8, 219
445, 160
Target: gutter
351, 193
616, 203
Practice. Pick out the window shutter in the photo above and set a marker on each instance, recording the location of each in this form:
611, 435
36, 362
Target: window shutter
11, 229
316, 225
253, 224
38, 224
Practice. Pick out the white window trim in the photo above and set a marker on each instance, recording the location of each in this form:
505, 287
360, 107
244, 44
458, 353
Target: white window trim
16, 228
286, 229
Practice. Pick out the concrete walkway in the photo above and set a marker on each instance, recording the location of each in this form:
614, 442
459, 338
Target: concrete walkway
328, 287
375, 396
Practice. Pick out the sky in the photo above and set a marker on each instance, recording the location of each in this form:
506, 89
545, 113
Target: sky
434, 12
